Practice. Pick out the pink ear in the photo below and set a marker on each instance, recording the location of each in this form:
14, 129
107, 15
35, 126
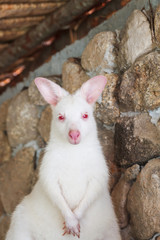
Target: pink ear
93, 88
50, 91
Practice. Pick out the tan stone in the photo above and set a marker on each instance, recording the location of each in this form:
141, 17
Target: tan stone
55, 78
107, 110
119, 198
21, 120
115, 174
126, 233
5, 149
73, 75
35, 96
136, 140
44, 124
1, 209
100, 54
120, 194
143, 201
131, 173
4, 225
16, 178
106, 138
3, 114
136, 39
140, 86
158, 125
40, 142
157, 25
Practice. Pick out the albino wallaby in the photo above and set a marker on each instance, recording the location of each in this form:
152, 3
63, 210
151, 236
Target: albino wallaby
71, 199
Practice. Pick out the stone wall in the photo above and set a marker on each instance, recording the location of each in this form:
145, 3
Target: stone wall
128, 119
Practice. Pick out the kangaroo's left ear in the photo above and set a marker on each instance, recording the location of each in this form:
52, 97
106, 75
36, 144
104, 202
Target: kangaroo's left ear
92, 89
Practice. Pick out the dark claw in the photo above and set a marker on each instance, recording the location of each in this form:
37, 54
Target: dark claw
79, 227
78, 235
64, 233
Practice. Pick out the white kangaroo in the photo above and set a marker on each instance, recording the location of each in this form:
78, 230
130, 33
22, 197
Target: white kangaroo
71, 199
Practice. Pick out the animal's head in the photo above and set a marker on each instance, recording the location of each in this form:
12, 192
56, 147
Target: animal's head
73, 114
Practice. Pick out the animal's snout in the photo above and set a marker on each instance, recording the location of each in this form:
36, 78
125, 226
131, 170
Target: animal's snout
74, 136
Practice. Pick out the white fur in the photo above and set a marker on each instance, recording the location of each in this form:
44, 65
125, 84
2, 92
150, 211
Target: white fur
73, 181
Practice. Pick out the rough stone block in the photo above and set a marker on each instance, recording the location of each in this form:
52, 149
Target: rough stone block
4, 225
22, 120
73, 75
3, 114
120, 194
106, 138
143, 201
119, 198
136, 39
100, 55
140, 86
126, 233
157, 25
44, 124
16, 179
5, 149
137, 140
107, 110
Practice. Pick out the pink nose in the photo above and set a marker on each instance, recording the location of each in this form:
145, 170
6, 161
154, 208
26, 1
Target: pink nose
74, 136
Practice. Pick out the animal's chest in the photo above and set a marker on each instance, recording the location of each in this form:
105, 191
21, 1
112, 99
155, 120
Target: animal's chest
73, 185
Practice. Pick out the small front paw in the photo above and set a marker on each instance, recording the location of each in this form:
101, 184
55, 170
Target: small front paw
72, 226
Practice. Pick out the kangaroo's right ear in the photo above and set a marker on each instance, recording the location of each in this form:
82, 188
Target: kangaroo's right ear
50, 91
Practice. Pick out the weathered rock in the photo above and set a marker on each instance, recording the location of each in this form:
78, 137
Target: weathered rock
131, 173
140, 86
136, 39
115, 174
55, 78
119, 198
1, 209
106, 138
5, 149
16, 178
40, 142
44, 124
157, 25
126, 233
120, 194
3, 112
4, 225
136, 140
25, 116
73, 75
158, 125
35, 96
143, 201
100, 53
108, 111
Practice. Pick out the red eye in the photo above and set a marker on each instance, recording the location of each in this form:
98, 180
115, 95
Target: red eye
61, 117
85, 116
